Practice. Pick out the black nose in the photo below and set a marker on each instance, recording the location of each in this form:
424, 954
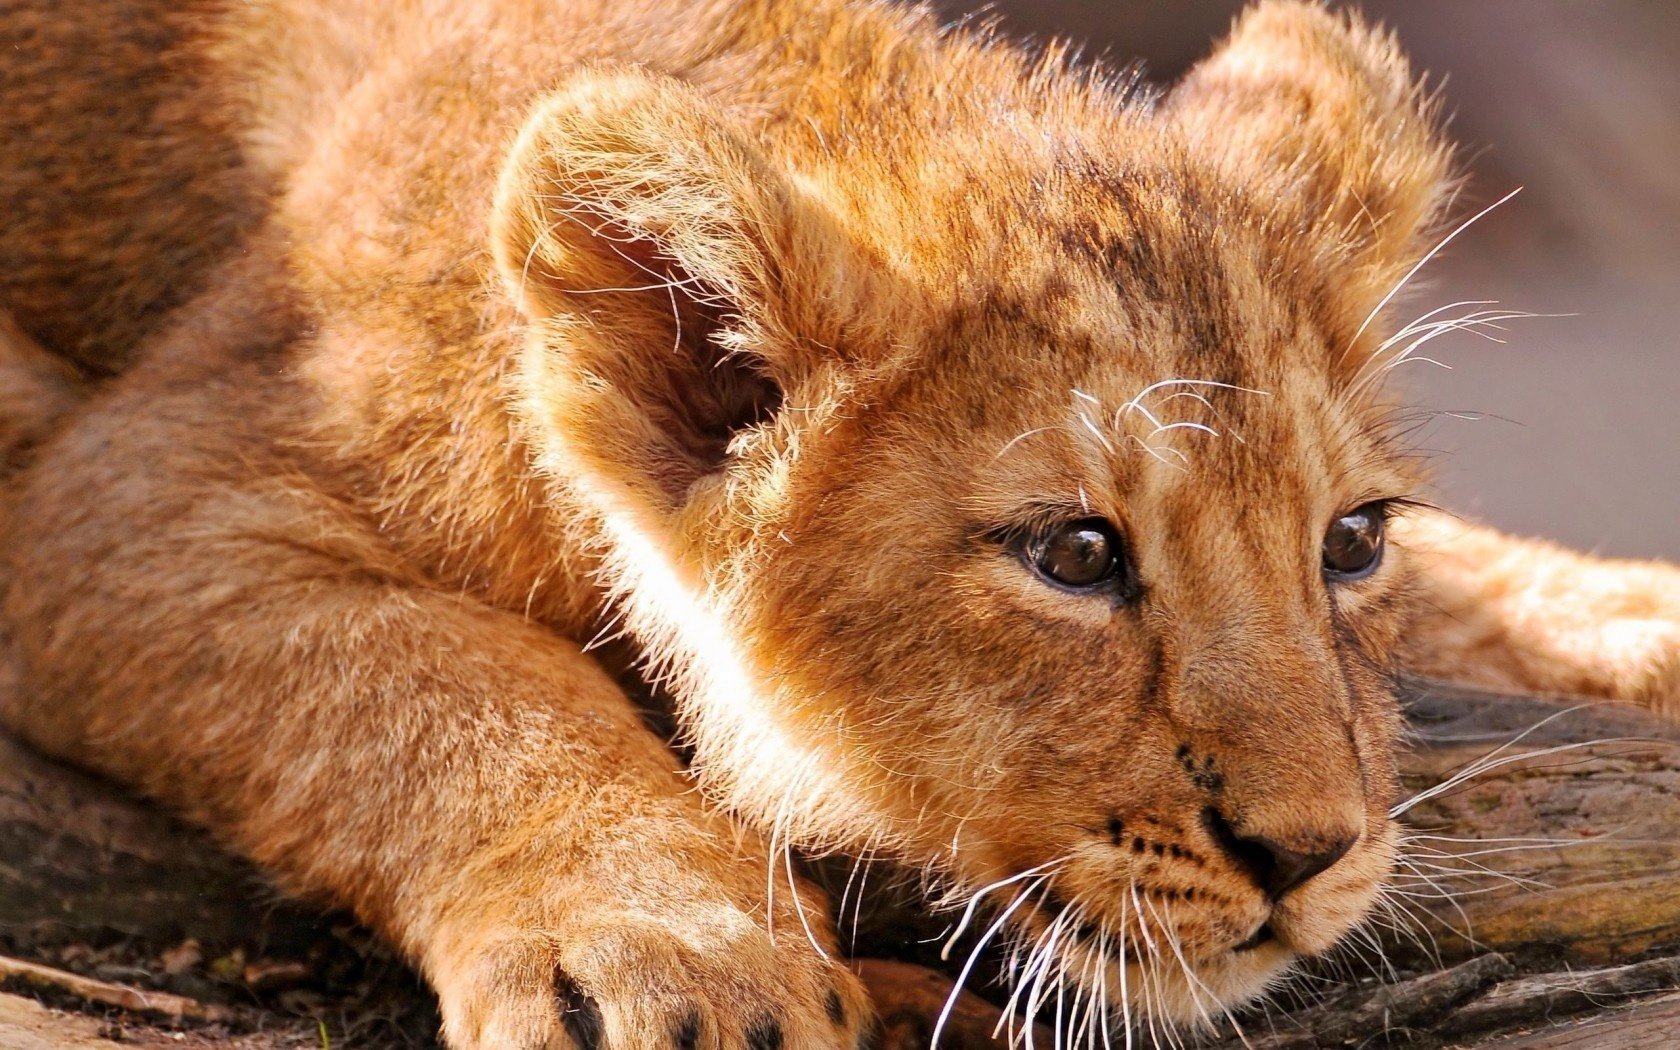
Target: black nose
1275, 867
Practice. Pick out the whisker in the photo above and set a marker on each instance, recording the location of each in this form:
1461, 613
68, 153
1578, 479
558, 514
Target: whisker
1419, 265
798, 902
1468, 932
1046, 956
974, 956
975, 898
1477, 766
1125, 991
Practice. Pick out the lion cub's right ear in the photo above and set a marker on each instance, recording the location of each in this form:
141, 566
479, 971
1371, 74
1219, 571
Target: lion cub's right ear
1322, 114
657, 255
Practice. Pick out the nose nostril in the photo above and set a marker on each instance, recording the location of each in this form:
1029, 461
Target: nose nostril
1249, 854
1291, 869
1274, 867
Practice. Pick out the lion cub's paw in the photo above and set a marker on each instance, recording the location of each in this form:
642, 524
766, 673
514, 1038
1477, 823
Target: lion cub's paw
644, 982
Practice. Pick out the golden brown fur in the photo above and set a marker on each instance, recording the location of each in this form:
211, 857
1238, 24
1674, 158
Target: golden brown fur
753, 332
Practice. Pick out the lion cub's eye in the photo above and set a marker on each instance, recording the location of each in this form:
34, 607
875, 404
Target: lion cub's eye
1082, 555
1353, 545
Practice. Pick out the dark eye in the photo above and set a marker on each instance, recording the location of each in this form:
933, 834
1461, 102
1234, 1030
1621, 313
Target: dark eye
1081, 555
1353, 545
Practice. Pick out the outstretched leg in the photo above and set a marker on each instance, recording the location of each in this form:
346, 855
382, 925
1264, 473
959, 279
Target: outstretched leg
191, 616
1526, 616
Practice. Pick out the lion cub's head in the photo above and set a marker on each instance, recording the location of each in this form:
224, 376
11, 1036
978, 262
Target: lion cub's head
992, 461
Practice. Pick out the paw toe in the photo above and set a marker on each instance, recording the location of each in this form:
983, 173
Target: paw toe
687, 1033
580, 1014
765, 1034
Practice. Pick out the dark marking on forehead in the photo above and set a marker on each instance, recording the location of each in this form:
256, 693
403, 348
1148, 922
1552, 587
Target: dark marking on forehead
1163, 237
1175, 268
1129, 259
1034, 305
1030, 318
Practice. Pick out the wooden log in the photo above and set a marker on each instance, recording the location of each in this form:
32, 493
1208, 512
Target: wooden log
1653, 1025
46, 980
1565, 851
27, 1025
79, 856
1542, 997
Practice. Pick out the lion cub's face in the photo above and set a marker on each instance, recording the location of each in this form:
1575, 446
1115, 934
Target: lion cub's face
1018, 512
1108, 605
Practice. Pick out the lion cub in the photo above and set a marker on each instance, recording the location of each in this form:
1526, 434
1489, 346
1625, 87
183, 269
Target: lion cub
987, 456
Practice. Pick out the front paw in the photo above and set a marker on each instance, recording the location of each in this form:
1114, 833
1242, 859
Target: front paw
712, 979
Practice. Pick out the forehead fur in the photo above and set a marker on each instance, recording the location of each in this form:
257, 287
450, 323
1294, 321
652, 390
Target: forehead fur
1301, 157
1138, 315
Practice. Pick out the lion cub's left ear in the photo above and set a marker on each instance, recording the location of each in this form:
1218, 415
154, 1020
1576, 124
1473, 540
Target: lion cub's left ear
1322, 114
678, 287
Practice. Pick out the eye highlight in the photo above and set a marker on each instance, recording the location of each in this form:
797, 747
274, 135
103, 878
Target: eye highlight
1082, 555
1354, 542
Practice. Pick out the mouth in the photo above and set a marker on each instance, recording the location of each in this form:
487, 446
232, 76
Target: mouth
1146, 966
1264, 935
1160, 949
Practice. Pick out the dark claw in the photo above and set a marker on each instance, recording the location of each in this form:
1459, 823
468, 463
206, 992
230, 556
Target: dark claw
765, 1035
579, 1013
688, 1032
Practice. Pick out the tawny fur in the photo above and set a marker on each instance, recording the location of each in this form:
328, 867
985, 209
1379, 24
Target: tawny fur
470, 333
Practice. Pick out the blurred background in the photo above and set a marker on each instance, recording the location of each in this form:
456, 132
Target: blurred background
1570, 429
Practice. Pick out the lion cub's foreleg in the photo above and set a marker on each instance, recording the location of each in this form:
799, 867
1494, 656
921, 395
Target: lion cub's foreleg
205, 625
1522, 615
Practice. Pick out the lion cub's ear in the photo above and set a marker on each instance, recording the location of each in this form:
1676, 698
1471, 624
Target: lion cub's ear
654, 252
1322, 112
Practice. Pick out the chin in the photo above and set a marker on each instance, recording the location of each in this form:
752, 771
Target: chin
1222, 983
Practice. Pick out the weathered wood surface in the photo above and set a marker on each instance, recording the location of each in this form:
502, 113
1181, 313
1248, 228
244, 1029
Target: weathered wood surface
1561, 929
1580, 820
77, 853
27, 1025
1652, 1025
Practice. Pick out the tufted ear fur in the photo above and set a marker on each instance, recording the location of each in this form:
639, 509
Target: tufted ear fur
1322, 114
653, 251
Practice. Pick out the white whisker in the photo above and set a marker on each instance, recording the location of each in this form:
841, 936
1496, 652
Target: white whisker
1420, 264
974, 956
979, 894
